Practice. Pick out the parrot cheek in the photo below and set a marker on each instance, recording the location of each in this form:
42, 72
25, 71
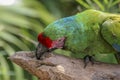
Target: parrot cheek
58, 43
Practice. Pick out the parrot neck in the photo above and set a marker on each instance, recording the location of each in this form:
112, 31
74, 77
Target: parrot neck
46, 41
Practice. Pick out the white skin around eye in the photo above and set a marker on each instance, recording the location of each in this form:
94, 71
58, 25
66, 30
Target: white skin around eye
59, 43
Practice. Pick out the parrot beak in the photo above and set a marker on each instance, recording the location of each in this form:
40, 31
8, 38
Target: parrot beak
40, 50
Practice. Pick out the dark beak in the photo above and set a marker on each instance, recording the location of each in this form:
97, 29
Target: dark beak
40, 50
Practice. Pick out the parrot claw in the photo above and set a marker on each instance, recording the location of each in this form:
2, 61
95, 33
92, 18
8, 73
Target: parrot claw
88, 59
118, 57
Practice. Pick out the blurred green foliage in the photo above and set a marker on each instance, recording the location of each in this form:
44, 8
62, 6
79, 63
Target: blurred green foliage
103, 5
20, 24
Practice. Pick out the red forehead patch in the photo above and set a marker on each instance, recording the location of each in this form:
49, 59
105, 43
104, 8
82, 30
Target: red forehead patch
46, 41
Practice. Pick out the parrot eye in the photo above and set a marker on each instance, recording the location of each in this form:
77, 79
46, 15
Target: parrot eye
59, 40
59, 43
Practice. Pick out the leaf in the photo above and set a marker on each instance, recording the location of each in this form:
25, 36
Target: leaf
115, 2
83, 3
105, 1
13, 39
4, 67
14, 19
99, 4
7, 48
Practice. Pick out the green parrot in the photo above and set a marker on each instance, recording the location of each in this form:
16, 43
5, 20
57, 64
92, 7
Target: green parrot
90, 32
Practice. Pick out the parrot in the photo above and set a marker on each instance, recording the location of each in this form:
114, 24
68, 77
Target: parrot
89, 32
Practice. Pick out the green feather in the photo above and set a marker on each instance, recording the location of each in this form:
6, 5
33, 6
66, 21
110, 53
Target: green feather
90, 32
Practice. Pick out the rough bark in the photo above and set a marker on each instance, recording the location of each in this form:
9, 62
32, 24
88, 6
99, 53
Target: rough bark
58, 67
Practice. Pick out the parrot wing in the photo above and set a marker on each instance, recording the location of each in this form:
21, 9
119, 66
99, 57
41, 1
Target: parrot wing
111, 32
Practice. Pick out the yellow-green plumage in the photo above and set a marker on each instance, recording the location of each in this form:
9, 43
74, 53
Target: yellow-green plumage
89, 32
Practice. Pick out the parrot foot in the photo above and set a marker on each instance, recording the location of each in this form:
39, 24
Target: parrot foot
117, 57
88, 59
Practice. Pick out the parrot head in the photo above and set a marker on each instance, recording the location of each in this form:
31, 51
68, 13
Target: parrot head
46, 44
51, 44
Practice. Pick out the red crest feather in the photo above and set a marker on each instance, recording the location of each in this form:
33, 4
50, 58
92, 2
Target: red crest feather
46, 41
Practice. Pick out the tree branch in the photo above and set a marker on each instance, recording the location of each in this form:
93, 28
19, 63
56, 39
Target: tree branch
58, 67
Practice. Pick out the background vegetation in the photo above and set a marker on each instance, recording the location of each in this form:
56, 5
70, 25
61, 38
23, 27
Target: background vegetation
20, 24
